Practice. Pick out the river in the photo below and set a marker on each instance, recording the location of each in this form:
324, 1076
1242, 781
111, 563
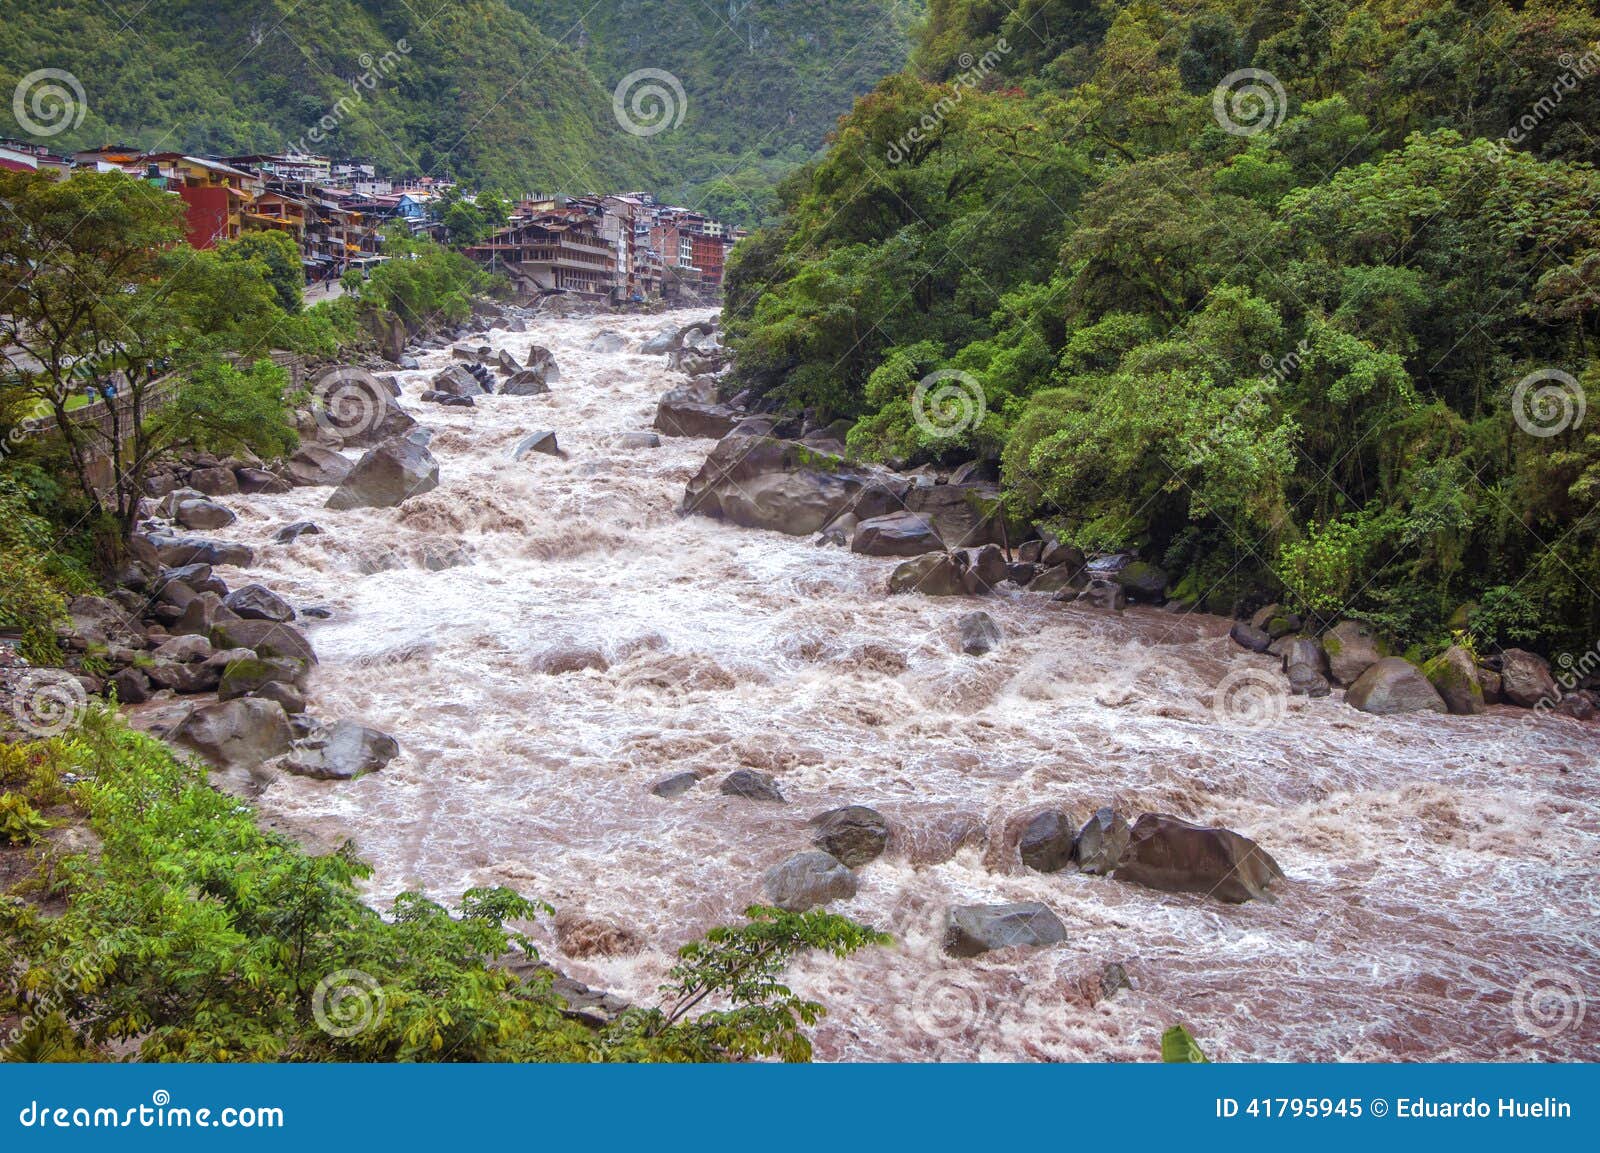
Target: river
1440, 901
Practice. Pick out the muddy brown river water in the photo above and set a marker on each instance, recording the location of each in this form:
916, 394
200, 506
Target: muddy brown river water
1441, 900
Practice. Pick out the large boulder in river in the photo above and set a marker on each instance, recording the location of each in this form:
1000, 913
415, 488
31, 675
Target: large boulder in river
1394, 685
980, 633
751, 785
1353, 647
542, 442
607, 342
314, 465
343, 752
807, 880
455, 380
543, 361
763, 482
1454, 673
688, 411
896, 534
964, 515
217, 481
1178, 857
202, 514
974, 929
1525, 679
237, 733
1046, 841
386, 421
934, 574
387, 475
855, 834
525, 383
1101, 842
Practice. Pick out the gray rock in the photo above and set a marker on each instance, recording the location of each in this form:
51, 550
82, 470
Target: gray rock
1525, 679
542, 442
637, 440
290, 533
1249, 636
217, 481
751, 785
1276, 621
685, 412
132, 686
386, 476
1101, 841
979, 633
608, 342
347, 750
1046, 842
248, 675
934, 574
525, 383
314, 466
1178, 857
287, 695
1352, 647
1394, 685
201, 615
184, 649
198, 513
238, 733
175, 552
1454, 674
455, 380
254, 602
974, 929
265, 638
896, 534
259, 480
807, 880
763, 482
855, 834
1100, 593
1144, 582
675, 785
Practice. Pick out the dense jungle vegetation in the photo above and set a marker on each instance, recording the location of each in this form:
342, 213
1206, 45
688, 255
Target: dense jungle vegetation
1291, 298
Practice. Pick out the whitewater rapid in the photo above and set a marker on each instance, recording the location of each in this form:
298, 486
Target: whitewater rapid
1441, 869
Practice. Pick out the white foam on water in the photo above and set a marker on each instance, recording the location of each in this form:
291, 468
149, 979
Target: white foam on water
1434, 863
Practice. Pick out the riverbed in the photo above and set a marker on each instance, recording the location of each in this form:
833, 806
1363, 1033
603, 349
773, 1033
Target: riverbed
1440, 900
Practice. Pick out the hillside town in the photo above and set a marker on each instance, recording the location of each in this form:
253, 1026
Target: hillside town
624, 248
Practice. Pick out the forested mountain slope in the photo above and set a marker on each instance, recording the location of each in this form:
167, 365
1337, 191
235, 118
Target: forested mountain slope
514, 94
1296, 299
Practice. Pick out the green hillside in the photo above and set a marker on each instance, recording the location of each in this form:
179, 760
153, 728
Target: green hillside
514, 94
1298, 300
